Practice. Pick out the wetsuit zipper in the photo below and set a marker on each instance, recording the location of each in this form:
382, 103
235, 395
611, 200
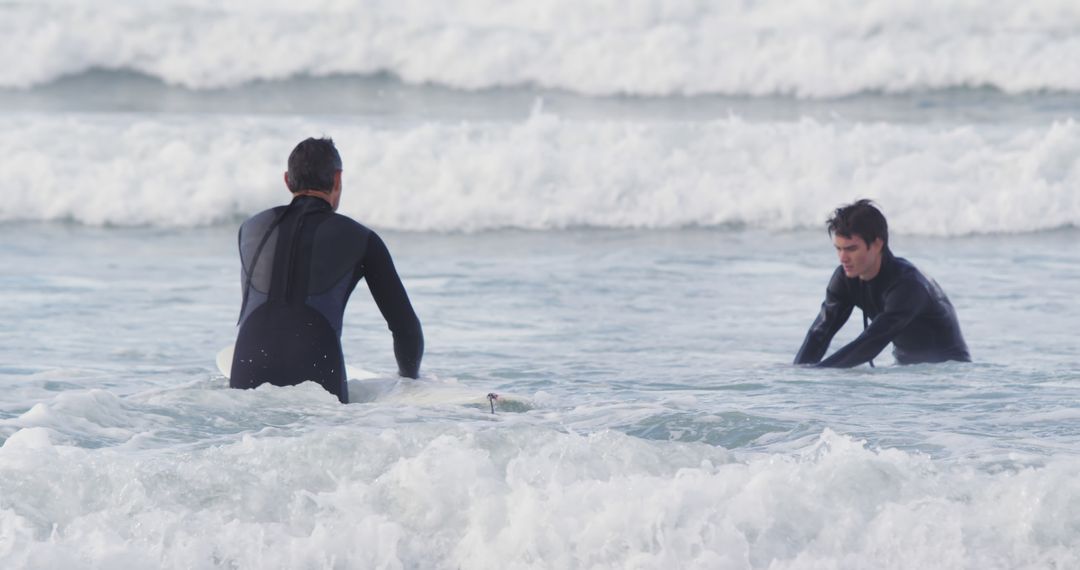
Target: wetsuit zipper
292, 256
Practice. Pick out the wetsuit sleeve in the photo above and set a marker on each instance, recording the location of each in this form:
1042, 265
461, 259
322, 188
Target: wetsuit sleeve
903, 302
393, 303
835, 311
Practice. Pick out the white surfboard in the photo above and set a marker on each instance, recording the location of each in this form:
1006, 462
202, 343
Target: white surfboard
366, 386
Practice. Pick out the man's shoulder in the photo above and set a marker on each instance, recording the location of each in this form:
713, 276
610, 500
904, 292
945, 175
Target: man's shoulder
903, 264
343, 232
262, 219
342, 223
907, 271
908, 277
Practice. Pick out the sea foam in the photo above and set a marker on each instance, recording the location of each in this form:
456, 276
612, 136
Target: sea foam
642, 47
545, 173
518, 496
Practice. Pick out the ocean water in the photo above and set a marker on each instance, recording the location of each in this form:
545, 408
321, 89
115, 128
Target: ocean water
612, 210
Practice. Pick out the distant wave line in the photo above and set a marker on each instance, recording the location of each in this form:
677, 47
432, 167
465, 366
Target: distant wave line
101, 76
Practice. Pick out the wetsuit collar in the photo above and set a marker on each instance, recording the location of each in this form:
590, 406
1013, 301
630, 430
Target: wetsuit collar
888, 262
310, 202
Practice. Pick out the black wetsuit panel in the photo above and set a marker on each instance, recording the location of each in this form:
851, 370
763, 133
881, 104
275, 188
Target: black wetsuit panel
906, 308
300, 263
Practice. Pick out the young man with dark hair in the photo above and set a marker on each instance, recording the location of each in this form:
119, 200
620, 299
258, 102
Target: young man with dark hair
299, 264
899, 304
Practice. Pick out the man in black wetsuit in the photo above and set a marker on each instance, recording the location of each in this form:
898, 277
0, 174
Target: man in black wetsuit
300, 263
904, 306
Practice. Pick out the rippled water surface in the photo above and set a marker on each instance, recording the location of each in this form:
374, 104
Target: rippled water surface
653, 364
630, 259
681, 336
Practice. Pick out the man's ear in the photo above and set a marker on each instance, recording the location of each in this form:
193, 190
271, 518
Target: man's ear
286, 178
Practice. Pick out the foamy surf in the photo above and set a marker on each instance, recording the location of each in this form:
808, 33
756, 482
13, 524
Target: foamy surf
546, 173
644, 47
476, 497
366, 386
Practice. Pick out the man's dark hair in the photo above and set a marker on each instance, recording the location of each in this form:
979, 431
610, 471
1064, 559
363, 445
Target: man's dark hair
860, 219
312, 165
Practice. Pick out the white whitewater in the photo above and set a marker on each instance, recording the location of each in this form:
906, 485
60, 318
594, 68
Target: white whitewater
548, 173
807, 48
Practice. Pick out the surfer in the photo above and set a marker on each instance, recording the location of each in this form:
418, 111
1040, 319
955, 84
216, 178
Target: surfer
899, 303
300, 262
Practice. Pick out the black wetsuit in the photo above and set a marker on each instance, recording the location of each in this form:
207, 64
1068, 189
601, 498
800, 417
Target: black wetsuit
906, 307
299, 264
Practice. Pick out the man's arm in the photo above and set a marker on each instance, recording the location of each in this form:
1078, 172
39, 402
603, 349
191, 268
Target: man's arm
835, 311
393, 303
902, 304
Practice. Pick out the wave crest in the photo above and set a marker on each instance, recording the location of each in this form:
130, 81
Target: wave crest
546, 173
641, 47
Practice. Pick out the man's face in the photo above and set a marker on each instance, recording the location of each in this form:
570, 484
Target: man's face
856, 257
